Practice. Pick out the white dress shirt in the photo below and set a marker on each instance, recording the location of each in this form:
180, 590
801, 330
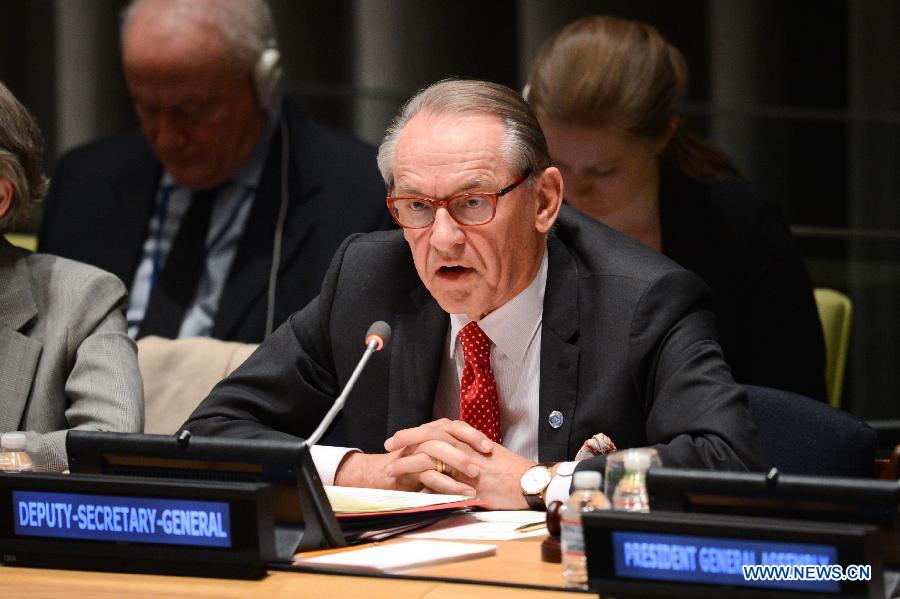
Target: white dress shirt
515, 333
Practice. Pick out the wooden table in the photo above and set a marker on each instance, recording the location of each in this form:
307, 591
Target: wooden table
516, 562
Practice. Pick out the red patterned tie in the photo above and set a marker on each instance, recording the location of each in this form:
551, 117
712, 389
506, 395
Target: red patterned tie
478, 402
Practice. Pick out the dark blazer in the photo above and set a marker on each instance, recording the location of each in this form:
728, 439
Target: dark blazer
737, 240
102, 196
626, 349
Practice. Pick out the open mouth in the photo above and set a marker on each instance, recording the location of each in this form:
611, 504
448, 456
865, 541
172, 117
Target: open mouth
453, 272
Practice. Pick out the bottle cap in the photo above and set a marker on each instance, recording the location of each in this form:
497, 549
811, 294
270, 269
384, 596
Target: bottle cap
13, 441
636, 461
587, 479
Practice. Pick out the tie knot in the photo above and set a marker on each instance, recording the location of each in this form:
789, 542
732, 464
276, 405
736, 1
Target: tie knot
476, 345
206, 196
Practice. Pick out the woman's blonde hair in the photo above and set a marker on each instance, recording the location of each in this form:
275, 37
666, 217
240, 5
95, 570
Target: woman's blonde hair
603, 71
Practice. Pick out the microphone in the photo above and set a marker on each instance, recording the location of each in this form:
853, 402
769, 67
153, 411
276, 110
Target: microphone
377, 337
379, 332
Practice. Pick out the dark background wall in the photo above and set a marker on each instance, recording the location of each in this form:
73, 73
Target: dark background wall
804, 95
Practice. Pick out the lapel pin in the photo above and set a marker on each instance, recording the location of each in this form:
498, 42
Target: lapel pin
555, 419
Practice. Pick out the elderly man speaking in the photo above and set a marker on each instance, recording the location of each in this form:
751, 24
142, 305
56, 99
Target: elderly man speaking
521, 329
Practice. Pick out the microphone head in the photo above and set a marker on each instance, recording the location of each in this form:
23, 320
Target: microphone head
380, 332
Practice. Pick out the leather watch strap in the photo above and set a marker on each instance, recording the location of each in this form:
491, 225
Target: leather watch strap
536, 501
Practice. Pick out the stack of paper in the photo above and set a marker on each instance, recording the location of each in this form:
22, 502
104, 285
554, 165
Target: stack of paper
377, 514
486, 526
397, 557
355, 502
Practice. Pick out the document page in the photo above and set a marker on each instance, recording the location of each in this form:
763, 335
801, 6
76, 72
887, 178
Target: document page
486, 526
398, 557
359, 501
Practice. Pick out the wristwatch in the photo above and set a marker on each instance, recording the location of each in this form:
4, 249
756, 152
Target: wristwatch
534, 484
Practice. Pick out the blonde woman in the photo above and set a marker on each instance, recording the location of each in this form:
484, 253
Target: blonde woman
606, 92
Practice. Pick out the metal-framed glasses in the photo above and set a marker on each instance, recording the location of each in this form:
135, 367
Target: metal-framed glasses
473, 208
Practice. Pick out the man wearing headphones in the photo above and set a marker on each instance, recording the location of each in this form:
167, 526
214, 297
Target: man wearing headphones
223, 215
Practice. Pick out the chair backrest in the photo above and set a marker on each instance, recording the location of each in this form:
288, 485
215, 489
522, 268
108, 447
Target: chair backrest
179, 373
888, 467
802, 436
835, 311
22, 240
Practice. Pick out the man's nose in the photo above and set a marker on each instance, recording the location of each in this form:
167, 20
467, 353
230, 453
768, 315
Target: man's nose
167, 134
445, 232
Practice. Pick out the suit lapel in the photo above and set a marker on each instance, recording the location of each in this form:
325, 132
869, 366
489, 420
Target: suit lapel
126, 220
417, 350
16, 375
20, 353
559, 353
249, 275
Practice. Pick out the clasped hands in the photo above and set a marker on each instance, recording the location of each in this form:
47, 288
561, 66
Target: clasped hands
471, 465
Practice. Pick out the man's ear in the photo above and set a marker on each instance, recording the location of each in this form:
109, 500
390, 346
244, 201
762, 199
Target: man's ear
549, 191
6, 196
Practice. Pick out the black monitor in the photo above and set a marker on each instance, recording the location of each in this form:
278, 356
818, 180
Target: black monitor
303, 518
775, 495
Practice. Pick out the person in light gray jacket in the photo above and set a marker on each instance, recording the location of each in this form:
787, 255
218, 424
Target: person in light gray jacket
65, 358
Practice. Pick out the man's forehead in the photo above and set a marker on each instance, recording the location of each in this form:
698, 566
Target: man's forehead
181, 70
467, 146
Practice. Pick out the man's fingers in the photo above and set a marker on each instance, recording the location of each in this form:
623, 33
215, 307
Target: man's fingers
412, 464
449, 431
435, 455
415, 436
469, 435
441, 483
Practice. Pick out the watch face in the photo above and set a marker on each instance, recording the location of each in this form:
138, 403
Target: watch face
535, 480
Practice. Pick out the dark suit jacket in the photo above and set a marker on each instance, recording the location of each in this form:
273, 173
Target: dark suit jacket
626, 349
102, 196
737, 240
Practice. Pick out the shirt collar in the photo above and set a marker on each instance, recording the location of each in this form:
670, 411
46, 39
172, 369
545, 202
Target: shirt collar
248, 174
512, 326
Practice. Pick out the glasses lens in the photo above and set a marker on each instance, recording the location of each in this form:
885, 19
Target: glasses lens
412, 212
472, 209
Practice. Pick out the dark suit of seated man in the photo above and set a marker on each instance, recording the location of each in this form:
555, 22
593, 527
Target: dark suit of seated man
204, 78
587, 331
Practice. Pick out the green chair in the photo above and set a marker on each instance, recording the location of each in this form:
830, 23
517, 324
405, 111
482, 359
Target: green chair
835, 311
29, 242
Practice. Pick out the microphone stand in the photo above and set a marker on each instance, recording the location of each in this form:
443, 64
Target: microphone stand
338, 405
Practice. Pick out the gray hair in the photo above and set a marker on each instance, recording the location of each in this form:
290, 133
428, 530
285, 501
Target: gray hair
524, 148
245, 26
21, 158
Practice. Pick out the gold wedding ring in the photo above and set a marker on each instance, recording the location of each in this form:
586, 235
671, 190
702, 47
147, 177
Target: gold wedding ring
440, 466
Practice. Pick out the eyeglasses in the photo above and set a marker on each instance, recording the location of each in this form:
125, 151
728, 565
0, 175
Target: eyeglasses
474, 208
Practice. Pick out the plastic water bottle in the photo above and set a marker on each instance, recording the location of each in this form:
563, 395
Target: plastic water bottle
587, 497
631, 492
13, 457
